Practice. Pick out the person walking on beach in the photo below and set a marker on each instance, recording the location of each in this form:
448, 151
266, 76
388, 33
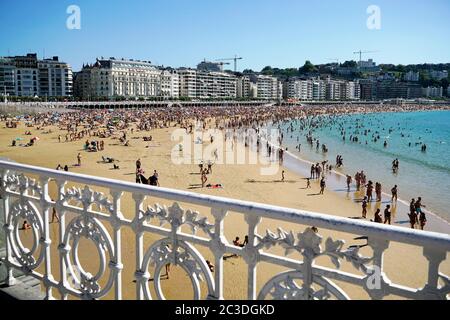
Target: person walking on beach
394, 192
79, 159
204, 177
282, 176
138, 164
322, 185
387, 214
364, 208
422, 220
369, 190
378, 191
358, 181
349, 182
313, 171
412, 214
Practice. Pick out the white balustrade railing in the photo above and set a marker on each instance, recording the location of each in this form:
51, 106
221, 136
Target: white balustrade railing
24, 191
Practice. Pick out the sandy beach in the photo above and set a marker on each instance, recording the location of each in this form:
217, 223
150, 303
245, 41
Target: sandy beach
404, 264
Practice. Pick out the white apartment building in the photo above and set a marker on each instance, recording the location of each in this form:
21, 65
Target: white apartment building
216, 85
169, 84
55, 78
333, 90
317, 89
28, 76
268, 88
412, 76
299, 90
125, 78
433, 92
188, 82
207, 85
243, 89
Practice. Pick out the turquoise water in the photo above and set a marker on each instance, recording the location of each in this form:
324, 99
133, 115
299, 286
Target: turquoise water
424, 174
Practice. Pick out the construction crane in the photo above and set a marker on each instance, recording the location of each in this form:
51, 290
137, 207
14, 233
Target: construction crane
235, 59
360, 52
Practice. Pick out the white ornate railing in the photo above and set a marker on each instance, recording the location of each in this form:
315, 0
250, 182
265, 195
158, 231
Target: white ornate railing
25, 194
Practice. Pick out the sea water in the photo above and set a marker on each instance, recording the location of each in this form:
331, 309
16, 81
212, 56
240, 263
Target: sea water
421, 174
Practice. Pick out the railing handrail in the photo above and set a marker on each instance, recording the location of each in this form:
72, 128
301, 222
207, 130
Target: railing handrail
393, 233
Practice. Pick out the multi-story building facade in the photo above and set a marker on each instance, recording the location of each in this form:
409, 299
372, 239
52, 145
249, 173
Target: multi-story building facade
317, 89
207, 85
125, 78
299, 90
368, 90
28, 76
188, 82
267, 87
216, 85
169, 84
433, 92
243, 87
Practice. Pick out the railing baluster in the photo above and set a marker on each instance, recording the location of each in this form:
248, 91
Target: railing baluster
62, 249
45, 199
10, 280
251, 254
116, 223
218, 249
434, 257
138, 200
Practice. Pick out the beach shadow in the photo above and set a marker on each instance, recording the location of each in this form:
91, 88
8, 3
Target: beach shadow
314, 194
195, 186
195, 173
402, 222
225, 258
356, 218
269, 181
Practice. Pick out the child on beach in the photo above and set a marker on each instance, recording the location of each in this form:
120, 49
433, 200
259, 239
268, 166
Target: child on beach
308, 183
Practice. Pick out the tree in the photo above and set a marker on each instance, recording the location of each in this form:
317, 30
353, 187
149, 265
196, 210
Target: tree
349, 64
308, 67
267, 71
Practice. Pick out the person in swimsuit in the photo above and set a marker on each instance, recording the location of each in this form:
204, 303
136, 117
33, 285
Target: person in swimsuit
364, 208
377, 217
387, 214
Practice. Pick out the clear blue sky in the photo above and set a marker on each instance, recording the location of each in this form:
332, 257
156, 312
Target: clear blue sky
280, 33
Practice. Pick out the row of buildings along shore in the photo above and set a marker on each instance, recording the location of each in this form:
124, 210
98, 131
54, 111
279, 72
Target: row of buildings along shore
28, 76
